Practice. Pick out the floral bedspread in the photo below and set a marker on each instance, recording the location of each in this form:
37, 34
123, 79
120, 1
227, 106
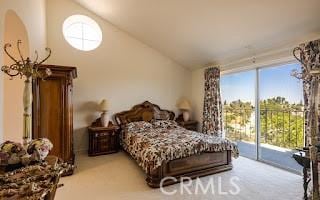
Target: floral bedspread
152, 144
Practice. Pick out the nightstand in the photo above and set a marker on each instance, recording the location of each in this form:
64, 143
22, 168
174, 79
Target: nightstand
191, 125
103, 140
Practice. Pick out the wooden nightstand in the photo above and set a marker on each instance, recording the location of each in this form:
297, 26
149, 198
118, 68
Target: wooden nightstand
191, 125
103, 140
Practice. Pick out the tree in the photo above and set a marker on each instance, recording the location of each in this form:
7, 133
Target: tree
281, 123
237, 115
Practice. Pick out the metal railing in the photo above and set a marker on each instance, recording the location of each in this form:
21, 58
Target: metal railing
278, 127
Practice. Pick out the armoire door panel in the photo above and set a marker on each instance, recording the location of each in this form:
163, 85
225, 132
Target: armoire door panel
51, 113
53, 110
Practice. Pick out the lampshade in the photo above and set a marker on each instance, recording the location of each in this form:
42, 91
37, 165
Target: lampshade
184, 105
104, 106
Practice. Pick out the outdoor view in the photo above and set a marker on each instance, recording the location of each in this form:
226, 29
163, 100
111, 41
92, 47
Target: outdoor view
281, 113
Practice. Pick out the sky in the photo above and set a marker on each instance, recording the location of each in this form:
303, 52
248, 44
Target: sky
274, 81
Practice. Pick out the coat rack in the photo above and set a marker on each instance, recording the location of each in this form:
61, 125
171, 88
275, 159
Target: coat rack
310, 74
27, 69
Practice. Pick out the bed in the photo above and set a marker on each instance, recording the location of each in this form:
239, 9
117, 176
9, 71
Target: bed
163, 149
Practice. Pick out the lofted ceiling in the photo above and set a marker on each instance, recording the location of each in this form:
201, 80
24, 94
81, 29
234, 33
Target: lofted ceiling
197, 32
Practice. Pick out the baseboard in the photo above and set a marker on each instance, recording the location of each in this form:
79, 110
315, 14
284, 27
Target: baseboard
81, 151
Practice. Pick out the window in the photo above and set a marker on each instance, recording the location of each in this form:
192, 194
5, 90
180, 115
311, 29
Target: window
82, 33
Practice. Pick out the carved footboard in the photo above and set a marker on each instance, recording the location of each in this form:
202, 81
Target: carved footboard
193, 167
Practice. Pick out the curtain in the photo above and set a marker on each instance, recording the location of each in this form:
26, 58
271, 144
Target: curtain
310, 56
212, 107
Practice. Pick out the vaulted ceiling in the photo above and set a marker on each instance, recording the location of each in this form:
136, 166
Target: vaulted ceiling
197, 32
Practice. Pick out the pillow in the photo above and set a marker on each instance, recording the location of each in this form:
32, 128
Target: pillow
139, 126
39, 149
166, 124
11, 152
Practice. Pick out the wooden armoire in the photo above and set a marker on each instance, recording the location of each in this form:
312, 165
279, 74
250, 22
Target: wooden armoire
52, 115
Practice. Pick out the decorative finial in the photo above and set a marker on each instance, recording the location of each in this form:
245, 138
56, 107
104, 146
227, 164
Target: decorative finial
24, 67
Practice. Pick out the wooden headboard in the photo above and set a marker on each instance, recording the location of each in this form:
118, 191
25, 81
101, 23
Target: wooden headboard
143, 112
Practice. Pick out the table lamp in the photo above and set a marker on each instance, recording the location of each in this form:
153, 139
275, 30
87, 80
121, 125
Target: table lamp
104, 115
185, 107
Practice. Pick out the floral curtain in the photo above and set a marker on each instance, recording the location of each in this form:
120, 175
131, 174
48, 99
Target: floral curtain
212, 108
310, 56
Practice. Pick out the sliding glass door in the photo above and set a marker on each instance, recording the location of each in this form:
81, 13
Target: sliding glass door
278, 130
281, 115
238, 96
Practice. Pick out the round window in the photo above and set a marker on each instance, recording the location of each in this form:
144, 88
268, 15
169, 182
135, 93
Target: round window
82, 33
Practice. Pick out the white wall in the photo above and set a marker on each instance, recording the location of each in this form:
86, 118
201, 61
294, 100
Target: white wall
13, 88
197, 93
122, 70
32, 13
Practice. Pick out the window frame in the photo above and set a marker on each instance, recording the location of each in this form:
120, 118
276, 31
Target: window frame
85, 23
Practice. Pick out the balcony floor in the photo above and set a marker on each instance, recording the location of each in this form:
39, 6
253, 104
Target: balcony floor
277, 155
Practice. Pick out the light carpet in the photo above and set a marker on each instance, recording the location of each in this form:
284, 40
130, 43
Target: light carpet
118, 177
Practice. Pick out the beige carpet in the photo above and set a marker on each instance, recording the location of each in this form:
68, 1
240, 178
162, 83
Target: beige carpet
117, 177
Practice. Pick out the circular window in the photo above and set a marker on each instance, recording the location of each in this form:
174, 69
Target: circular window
82, 33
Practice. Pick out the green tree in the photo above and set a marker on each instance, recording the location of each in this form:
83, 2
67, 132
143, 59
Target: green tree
237, 115
281, 123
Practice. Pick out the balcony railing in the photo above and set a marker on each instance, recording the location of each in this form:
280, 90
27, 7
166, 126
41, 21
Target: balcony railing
282, 128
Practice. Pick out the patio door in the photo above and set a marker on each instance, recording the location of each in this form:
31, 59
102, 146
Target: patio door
281, 115
238, 97
276, 98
